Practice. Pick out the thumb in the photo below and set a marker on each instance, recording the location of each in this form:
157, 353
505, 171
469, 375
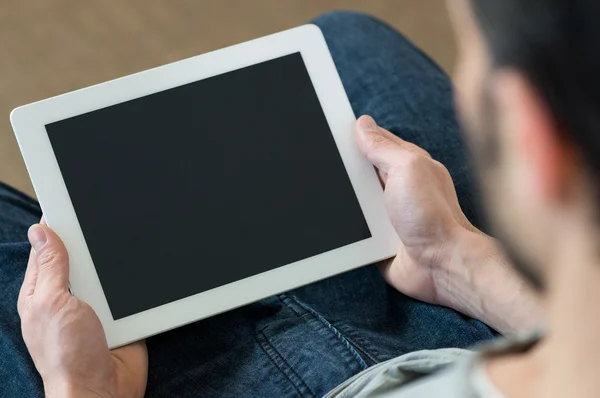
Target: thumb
377, 147
51, 257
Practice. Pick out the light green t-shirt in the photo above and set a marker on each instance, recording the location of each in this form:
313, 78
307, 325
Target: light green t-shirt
445, 373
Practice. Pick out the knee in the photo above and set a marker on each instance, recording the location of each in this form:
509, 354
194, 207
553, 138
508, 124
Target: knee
347, 20
350, 32
340, 24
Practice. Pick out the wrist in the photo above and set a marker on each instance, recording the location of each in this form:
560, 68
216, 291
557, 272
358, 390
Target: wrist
476, 279
455, 272
65, 389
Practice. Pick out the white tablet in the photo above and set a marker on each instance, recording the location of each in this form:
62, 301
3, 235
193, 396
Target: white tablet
200, 186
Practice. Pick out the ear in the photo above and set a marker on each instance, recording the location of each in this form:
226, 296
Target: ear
535, 143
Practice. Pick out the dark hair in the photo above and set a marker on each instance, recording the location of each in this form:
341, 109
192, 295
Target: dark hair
556, 45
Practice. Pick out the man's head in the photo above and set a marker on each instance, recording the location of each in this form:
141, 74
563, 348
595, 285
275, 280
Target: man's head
528, 93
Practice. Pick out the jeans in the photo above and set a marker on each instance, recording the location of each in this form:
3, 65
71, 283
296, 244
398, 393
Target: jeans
307, 341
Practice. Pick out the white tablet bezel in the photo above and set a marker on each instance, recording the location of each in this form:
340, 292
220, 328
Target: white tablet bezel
29, 123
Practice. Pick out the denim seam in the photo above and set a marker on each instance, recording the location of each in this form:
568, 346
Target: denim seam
284, 367
289, 303
355, 338
335, 332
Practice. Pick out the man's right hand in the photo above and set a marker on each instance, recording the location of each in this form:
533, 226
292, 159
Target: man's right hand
65, 337
442, 259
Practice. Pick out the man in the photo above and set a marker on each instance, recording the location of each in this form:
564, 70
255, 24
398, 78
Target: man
527, 96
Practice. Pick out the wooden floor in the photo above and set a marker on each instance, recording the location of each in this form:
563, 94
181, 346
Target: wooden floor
48, 47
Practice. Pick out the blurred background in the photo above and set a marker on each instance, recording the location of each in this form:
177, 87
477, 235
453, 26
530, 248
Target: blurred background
49, 47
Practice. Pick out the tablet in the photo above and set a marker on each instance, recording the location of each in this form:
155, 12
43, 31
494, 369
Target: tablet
200, 186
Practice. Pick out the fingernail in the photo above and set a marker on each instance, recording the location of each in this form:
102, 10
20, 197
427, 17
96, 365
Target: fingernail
37, 237
366, 123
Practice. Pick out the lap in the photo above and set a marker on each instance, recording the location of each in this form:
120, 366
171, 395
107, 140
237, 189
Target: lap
307, 341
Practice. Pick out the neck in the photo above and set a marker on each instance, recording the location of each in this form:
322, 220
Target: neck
567, 362
574, 329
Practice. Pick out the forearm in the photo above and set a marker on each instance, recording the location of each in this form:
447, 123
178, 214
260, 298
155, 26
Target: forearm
478, 281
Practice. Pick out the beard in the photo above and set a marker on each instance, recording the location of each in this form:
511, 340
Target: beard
485, 156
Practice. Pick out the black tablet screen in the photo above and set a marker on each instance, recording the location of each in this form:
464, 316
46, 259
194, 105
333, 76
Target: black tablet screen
205, 184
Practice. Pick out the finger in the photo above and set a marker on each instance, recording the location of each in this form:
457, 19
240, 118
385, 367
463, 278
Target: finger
384, 267
29, 282
408, 146
382, 177
30, 279
378, 148
135, 355
133, 359
51, 258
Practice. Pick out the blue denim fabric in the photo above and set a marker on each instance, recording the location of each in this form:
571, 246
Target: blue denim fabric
305, 342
